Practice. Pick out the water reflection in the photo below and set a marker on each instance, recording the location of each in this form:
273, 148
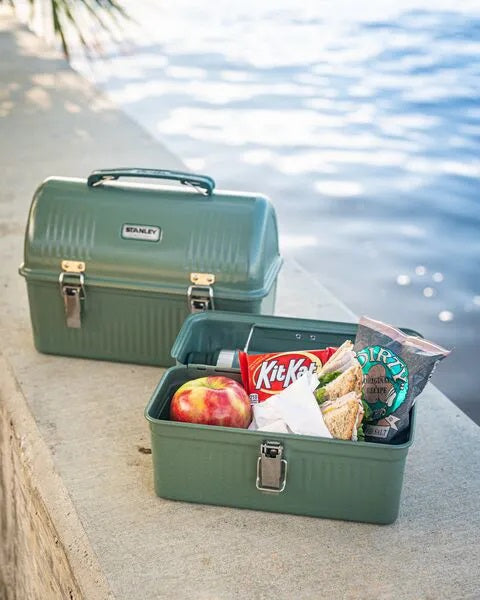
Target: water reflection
338, 188
403, 280
445, 316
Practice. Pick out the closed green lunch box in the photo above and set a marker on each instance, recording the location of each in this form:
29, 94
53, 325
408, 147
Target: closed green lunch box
357, 481
113, 268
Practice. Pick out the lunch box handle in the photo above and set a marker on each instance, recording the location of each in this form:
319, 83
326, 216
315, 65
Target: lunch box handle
204, 182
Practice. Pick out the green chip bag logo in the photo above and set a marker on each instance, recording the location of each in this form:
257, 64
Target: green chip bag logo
385, 380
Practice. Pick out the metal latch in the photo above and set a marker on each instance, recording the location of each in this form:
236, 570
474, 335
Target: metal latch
73, 291
200, 293
271, 468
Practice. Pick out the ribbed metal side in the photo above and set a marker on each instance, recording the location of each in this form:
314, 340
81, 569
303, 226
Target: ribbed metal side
67, 233
348, 487
117, 326
217, 245
318, 484
231, 235
199, 471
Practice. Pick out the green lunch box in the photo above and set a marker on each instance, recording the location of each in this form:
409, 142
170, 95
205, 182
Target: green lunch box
113, 268
289, 473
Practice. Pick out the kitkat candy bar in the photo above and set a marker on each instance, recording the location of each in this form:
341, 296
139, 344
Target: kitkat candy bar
266, 374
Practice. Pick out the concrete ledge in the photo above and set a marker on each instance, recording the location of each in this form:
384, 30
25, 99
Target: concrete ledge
44, 551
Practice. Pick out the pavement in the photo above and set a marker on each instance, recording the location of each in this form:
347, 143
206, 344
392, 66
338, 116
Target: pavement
78, 515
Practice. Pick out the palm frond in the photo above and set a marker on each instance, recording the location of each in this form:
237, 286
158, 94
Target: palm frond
67, 18
63, 7
58, 29
97, 16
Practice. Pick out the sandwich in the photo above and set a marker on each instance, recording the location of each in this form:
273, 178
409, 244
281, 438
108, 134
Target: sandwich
343, 416
339, 394
341, 374
341, 360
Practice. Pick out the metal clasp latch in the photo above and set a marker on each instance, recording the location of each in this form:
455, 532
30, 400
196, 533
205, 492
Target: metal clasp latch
200, 293
73, 291
271, 468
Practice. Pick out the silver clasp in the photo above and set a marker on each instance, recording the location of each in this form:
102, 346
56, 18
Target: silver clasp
200, 298
200, 293
72, 291
271, 468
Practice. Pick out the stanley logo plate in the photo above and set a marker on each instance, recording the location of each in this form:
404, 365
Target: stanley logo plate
147, 233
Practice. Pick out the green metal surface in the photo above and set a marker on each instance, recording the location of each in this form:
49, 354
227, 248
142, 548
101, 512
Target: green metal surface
232, 235
356, 481
136, 289
127, 326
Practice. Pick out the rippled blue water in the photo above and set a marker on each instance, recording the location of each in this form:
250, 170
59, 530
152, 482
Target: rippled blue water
362, 124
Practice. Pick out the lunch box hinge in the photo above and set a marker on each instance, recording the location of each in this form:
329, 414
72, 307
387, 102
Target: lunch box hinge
200, 293
271, 468
72, 289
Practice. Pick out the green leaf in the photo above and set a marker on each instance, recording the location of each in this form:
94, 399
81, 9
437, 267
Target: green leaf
360, 434
319, 394
367, 412
324, 379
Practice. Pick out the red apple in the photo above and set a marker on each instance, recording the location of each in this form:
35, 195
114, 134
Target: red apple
213, 400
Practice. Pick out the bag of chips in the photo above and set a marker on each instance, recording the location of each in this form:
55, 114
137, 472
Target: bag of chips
396, 367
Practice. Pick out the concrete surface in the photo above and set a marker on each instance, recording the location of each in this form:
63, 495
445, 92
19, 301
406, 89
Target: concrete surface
79, 518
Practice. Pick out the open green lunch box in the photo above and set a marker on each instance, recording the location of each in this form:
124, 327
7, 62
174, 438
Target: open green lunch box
357, 481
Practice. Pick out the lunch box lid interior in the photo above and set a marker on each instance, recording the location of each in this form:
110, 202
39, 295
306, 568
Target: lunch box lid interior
228, 234
203, 335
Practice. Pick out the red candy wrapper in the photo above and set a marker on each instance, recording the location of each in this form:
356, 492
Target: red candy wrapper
266, 374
